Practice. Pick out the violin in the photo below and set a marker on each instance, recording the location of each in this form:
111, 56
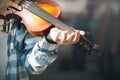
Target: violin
39, 16
34, 24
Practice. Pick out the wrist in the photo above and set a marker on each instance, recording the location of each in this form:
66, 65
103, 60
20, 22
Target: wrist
49, 40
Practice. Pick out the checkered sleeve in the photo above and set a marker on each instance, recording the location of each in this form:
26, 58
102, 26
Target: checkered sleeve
41, 55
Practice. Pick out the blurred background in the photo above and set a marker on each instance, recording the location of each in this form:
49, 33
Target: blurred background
101, 18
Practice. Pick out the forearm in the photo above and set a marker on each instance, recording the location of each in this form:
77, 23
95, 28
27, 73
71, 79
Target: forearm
42, 54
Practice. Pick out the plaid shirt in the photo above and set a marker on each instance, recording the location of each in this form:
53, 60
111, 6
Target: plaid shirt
27, 53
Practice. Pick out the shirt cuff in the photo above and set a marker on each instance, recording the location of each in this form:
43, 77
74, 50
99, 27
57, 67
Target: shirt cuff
45, 45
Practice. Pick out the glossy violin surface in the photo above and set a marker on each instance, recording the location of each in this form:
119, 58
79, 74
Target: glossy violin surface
34, 24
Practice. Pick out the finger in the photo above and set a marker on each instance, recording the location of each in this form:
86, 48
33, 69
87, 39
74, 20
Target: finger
76, 37
70, 38
73, 38
64, 36
61, 37
82, 32
57, 36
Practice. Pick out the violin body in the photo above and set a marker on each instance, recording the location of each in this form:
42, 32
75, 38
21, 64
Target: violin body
34, 24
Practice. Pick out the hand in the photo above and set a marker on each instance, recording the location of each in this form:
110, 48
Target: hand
64, 37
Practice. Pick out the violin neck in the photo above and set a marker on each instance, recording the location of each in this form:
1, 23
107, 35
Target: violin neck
32, 7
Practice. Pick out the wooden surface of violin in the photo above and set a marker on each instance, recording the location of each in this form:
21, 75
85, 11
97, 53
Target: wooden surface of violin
35, 25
